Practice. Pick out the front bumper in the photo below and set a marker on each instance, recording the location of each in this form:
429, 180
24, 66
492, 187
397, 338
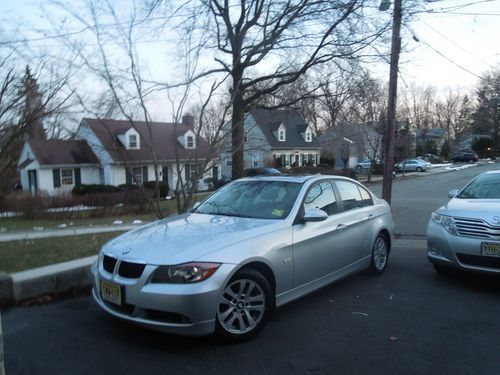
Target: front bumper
461, 252
187, 309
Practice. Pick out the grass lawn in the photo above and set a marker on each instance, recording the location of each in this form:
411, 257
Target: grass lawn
23, 255
85, 219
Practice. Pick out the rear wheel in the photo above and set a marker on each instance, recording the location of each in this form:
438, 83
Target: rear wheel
380, 255
244, 306
419, 169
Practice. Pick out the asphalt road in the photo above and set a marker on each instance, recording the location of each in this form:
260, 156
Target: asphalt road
414, 199
410, 320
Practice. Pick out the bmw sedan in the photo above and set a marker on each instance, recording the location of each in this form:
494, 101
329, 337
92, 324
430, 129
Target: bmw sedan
465, 233
253, 245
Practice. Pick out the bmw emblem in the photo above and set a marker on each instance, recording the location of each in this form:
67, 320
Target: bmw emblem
126, 251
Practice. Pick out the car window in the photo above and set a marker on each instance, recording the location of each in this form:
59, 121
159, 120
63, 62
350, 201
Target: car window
321, 196
258, 199
365, 196
486, 186
351, 195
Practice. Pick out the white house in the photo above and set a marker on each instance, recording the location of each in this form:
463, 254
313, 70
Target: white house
116, 152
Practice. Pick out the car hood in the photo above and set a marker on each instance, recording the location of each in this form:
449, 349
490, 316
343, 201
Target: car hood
186, 237
485, 209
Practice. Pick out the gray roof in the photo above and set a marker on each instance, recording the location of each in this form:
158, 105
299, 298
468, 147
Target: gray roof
164, 140
270, 120
61, 152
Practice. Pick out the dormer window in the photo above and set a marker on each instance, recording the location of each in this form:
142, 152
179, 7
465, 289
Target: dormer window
189, 141
308, 136
282, 133
132, 141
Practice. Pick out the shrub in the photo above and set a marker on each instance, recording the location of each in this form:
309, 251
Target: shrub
94, 188
151, 185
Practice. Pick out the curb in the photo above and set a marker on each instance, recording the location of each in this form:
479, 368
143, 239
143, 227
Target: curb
53, 279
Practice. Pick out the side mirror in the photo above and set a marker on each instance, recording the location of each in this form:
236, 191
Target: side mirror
196, 205
315, 215
453, 193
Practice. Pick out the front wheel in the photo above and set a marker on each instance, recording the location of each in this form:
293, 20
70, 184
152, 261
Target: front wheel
380, 255
244, 306
419, 169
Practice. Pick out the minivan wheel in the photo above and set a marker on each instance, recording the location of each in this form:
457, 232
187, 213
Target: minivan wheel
244, 306
380, 255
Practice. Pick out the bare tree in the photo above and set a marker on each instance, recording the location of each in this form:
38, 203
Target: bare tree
266, 44
24, 105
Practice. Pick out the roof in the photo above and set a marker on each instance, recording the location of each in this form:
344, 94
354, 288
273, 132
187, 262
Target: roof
61, 152
431, 133
270, 120
164, 140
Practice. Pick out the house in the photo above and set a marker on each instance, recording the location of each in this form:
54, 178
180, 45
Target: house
351, 142
274, 138
116, 152
435, 135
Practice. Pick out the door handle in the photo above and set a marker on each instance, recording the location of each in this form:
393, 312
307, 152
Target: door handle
340, 227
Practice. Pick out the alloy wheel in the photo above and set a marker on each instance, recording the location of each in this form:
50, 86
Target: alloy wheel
380, 253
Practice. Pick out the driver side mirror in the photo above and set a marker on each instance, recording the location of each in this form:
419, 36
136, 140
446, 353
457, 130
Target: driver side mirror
453, 193
315, 215
196, 205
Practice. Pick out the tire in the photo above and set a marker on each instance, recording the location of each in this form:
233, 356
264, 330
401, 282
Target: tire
380, 255
359, 167
419, 169
244, 306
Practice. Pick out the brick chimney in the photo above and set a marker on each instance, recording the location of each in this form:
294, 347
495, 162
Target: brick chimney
188, 120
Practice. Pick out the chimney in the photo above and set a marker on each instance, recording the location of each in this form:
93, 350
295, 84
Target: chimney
188, 120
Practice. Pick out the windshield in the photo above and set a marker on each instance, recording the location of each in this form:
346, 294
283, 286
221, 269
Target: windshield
253, 199
486, 186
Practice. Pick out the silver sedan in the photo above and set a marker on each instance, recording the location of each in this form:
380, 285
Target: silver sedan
465, 233
255, 244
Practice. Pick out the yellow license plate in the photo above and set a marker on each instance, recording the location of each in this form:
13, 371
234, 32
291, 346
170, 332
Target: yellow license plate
111, 292
491, 249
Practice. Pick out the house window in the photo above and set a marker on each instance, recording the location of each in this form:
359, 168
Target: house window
66, 177
281, 136
308, 136
137, 172
255, 160
229, 162
189, 141
132, 141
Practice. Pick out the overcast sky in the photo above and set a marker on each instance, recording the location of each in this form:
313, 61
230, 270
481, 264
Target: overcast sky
458, 40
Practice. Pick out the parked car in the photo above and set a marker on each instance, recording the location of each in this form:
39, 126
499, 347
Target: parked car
465, 157
366, 164
255, 244
411, 165
465, 233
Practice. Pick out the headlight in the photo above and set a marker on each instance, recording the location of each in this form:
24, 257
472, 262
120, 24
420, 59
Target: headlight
445, 221
184, 273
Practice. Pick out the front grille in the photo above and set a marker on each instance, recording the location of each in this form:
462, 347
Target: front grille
109, 263
479, 261
476, 228
130, 270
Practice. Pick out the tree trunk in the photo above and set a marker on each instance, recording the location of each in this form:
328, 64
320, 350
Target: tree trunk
237, 127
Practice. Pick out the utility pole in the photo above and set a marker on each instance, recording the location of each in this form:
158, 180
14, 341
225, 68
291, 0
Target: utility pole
391, 106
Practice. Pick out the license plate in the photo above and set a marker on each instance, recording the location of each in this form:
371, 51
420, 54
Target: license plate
111, 292
491, 249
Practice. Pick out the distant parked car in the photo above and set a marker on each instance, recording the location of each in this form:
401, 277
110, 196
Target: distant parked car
366, 164
465, 232
412, 165
464, 157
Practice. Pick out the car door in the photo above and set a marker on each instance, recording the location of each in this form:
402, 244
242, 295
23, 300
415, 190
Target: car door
357, 217
321, 248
